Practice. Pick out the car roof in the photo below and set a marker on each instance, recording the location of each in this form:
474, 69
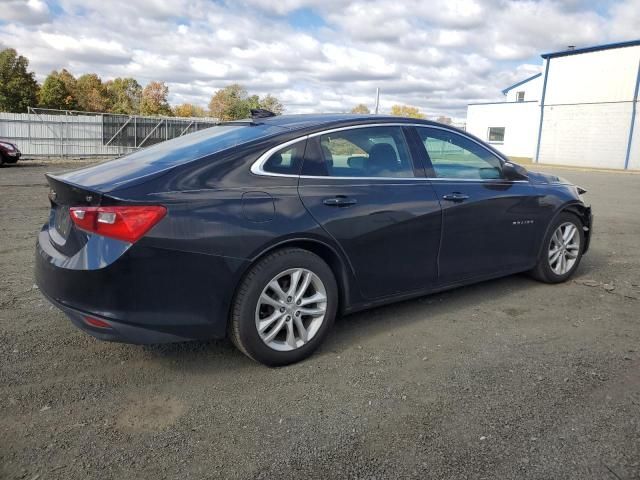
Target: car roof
295, 122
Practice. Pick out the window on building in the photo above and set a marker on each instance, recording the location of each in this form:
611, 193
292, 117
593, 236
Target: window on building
519, 96
496, 134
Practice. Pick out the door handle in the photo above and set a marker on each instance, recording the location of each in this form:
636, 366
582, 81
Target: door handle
456, 197
339, 201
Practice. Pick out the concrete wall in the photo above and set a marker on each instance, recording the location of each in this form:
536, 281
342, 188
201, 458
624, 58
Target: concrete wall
588, 135
519, 119
588, 107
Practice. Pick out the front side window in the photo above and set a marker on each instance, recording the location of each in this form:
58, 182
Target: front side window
455, 156
496, 134
286, 161
366, 152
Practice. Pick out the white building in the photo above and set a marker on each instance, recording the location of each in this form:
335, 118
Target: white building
581, 111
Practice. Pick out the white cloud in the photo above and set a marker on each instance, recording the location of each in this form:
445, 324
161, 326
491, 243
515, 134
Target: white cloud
29, 12
438, 55
625, 21
87, 49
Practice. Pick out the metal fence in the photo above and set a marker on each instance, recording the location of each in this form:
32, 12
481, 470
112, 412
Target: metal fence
66, 133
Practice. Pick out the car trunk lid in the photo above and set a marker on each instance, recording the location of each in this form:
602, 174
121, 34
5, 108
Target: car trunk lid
64, 235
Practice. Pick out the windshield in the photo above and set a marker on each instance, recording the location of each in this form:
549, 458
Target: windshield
108, 175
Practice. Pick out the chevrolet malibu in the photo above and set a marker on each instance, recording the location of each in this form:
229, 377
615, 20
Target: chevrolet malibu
264, 230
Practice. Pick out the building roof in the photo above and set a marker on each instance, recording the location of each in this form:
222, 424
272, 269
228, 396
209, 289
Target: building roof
533, 77
595, 48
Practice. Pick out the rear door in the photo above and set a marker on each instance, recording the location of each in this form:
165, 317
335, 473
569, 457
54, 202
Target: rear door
362, 186
489, 223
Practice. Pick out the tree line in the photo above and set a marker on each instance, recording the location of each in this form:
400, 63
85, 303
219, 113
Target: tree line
61, 90
403, 111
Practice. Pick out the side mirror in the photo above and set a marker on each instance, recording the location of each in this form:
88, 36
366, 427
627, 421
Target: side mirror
513, 171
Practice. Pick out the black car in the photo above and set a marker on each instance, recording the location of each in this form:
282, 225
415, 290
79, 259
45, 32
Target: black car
264, 230
9, 152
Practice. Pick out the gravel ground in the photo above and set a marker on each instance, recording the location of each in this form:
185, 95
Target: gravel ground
506, 379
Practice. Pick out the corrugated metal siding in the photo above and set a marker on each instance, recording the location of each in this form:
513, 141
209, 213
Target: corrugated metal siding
64, 135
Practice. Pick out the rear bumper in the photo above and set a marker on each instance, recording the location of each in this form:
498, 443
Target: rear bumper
119, 331
147, 295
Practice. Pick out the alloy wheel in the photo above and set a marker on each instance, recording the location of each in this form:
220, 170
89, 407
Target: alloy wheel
564, 248
291, 309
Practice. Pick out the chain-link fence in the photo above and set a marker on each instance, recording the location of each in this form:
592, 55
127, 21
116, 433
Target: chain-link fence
66, 133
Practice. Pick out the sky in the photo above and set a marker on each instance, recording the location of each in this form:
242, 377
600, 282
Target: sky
314, 55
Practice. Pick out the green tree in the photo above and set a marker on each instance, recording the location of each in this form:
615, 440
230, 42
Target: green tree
91, 94
271, 103
230, 103
18, 86
360, 108
154, 99
53, 92
406, 111
252, 102
188, 110
125, 95
234, 103
70, 83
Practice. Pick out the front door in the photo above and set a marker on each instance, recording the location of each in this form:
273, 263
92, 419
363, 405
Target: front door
489, 223
361, 186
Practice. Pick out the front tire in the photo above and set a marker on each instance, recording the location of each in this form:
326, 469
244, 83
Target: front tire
561, 251
284, 307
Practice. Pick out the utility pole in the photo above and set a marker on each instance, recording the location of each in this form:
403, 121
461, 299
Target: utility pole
377, 99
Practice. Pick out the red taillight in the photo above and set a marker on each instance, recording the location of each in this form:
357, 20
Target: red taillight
96, 322
128, 223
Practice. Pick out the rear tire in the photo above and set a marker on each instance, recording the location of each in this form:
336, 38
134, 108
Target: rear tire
561, 251
284, 307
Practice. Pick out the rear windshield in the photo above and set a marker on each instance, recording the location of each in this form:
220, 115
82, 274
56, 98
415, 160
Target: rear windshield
108, 175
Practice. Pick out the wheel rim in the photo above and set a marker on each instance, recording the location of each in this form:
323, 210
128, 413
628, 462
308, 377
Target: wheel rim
291, 309
564, 248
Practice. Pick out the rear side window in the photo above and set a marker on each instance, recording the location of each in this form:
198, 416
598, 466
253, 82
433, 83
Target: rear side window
455, 156
366, 152
167, 154
286, 161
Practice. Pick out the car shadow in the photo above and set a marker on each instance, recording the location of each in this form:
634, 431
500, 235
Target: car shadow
23, 165
349, 330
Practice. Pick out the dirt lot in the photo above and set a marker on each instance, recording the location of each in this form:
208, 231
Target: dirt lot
507, 379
